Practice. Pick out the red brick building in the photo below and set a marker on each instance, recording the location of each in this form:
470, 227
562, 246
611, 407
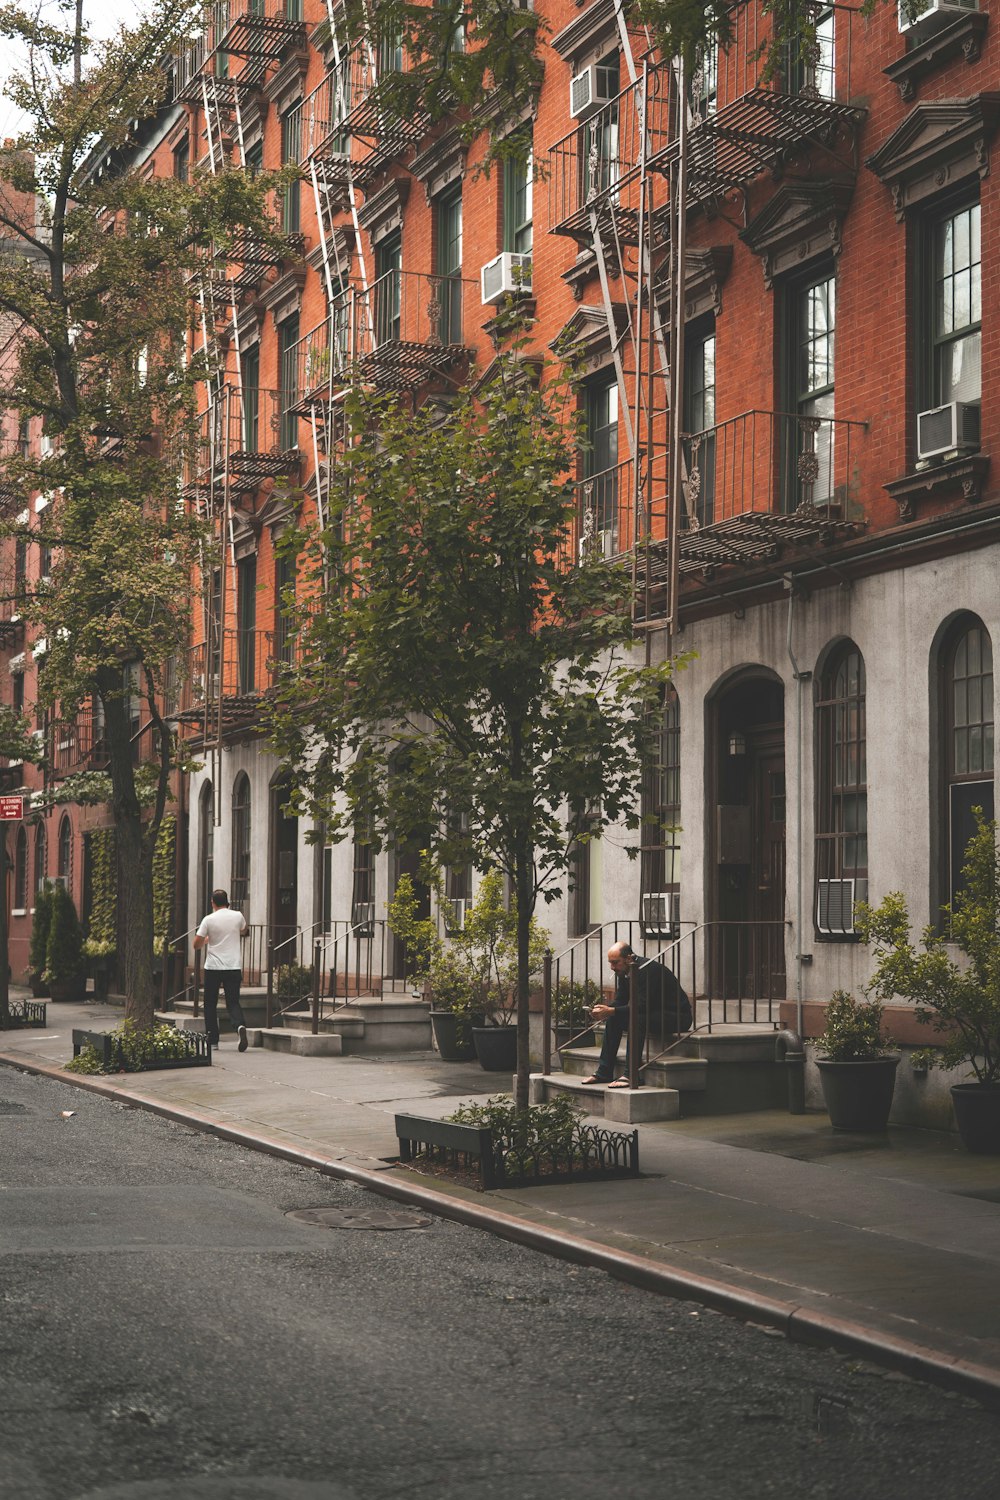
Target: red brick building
781, 295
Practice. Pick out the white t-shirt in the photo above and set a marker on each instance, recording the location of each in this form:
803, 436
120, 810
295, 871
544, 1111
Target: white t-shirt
223, 929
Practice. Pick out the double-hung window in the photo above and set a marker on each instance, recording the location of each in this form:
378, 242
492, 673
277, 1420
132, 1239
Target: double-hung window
448, 217
956, 337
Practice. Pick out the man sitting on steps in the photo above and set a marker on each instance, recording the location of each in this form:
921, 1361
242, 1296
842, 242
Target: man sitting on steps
655, 985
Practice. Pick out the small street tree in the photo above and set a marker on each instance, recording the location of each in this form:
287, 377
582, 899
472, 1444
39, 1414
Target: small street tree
467, 683
99, 272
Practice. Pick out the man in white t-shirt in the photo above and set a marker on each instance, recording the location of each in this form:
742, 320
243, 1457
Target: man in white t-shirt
220, 933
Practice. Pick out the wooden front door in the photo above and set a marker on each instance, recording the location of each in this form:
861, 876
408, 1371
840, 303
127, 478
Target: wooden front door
767, 870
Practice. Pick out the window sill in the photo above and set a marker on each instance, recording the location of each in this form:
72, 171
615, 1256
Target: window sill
966, 475
963, 36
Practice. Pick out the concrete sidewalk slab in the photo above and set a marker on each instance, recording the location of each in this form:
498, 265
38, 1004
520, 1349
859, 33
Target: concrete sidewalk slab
888, 1246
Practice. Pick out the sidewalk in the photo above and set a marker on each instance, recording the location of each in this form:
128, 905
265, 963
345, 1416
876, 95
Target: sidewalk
885, 1248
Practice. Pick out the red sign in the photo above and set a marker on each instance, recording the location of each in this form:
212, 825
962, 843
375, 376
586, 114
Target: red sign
11, 809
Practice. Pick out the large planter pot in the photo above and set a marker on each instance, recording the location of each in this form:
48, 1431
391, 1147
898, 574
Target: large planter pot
39, 986
496, 1048
453, 1036
74, 988
574, 1034
977, 1114
858, 1095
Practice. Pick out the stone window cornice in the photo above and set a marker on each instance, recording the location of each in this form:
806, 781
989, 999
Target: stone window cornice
938, 146
800, 223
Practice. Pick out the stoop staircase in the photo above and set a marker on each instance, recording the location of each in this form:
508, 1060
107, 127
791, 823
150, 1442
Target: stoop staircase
707, 1072
361, 1026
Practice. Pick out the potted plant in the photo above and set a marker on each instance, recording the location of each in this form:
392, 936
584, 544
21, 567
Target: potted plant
65, 969
857, 1073
572, 1001
453, 1013
39, 940
293, 986
958, 1000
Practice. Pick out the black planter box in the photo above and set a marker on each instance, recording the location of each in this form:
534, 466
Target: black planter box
104, 1044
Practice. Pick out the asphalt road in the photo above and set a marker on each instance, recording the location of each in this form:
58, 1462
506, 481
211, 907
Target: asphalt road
168, 1332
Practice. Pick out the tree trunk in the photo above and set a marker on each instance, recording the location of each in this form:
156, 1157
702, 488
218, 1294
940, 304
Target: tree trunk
523, 892
135, 867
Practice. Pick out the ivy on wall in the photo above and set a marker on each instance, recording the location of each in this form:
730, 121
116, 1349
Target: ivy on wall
101, 940
164, 856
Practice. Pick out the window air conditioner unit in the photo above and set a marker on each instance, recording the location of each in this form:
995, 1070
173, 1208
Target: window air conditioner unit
363, 918
505, 275
597, 544
931, 14
947, 429
835, 905
661, 913
589, 91
454, 913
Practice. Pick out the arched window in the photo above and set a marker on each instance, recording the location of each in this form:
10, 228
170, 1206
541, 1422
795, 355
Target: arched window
842, 793
206, 847
21, 871
65, 854
41, 856
966, 665
239, 884
661, 821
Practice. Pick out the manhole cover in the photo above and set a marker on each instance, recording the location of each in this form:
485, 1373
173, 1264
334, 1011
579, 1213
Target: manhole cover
6, 1108
360, 1218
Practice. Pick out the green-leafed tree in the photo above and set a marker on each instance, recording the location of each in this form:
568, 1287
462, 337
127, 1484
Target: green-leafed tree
464, 685
687, 28
98, 272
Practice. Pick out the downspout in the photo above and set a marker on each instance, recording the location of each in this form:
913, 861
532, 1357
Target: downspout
800, 679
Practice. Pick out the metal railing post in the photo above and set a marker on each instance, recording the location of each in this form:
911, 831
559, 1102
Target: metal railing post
633, 1029
317, 946
547, 1013
270, 982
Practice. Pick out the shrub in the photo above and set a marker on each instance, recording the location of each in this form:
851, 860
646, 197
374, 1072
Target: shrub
293, 982
133, 1049
853, 1030
40, 924
64, 950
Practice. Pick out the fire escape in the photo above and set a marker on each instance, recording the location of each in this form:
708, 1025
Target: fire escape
246, 435
624, 184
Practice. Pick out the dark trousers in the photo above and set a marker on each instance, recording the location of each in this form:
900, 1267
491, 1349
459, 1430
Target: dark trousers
230, 981
615, 1027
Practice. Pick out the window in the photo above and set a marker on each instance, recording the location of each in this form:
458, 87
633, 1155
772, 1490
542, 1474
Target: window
812, 65
661, 816
65, 854
448, 224
206, 847
246, 614
599, 137
239, 893
600, 467
363, 881
699, 423
705, 82
809, 448
17, 691
585, 879
288, 381
21, 871
284, 608
254, 159
458, 872
182, 161
956, 336
41, 856
967, 758
291, 151
133, 706
517, 204
20, 569
250, 380
842, 811
388, 269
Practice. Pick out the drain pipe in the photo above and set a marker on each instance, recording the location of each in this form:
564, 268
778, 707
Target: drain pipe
800, 679
788, 1049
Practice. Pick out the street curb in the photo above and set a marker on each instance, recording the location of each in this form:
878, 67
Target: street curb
799, 1324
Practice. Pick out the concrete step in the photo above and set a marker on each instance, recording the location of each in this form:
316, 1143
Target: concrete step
622, 1106
686, 1074
302, 1044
